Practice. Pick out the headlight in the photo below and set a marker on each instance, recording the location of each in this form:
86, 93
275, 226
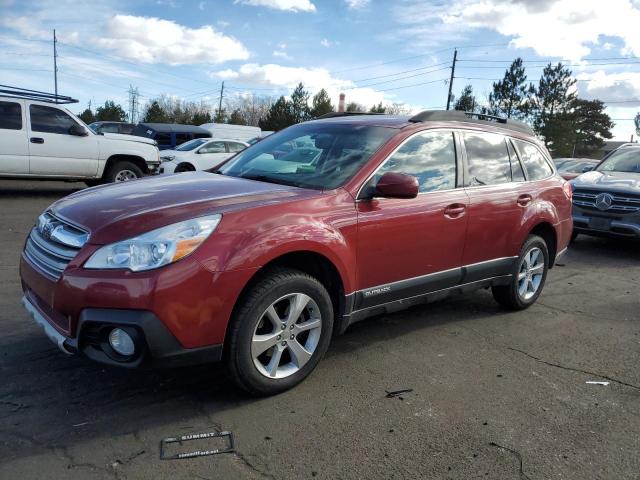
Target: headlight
167, 158
155, 248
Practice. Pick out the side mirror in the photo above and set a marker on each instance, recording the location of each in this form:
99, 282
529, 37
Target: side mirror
396, 185
587, 169
77, 130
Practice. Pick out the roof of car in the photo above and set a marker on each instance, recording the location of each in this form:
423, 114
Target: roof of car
173, 127
394, 121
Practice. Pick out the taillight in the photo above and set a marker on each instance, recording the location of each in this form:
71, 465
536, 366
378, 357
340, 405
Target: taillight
567, 188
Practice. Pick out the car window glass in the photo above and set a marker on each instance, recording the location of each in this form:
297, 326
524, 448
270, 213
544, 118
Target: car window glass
623, 160
428, 156
235, 146
109, 128
182, 137
10, 116
487, 158
534, 162
50, 120
517, 173
126, 129
163, 139
213, 147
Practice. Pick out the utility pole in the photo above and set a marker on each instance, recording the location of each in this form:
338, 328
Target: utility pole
55, 63
133, 103
453, 71
219, 116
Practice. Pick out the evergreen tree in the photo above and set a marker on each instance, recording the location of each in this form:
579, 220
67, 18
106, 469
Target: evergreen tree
321, 104
200, 117
509, 95
278, 117
591, 126
636, 121
87, 116
154, 113
236, 118
378, 108
299, 104
355, 107
110, 111
466, 101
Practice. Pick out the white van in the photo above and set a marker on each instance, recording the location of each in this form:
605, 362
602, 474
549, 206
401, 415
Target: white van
232, 132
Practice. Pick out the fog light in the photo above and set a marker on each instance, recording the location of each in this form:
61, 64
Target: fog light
121, 342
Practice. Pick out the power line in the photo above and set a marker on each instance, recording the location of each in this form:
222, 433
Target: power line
402, 78
412, 85
399, 73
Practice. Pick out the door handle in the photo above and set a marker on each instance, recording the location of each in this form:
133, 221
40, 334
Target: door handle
524, 200
454, 210
37, 140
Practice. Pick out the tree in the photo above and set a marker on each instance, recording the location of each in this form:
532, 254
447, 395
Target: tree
321, 104
636, 121
154, 113
87, 116
509, 95
110, 111
378, 108
199, 117
591, 126
299, 104
251, 107
236, 118
397, 109
278, 117
355, 107
466, 101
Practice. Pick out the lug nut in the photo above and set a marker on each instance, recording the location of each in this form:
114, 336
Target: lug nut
291, 327
279, 337
284, 343
292, 337
283, 326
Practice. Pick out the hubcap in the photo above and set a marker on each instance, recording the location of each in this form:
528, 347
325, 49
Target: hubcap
530, 273
286, 336
125, 176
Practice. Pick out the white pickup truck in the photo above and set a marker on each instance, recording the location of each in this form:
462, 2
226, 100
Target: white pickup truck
44, 140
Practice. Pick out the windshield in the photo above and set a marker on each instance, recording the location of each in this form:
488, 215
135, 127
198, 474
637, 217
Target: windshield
625, 160
309, 155
192, 144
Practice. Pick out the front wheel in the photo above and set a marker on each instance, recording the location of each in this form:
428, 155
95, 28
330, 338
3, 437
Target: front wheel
123, 172
529, 276
279, 332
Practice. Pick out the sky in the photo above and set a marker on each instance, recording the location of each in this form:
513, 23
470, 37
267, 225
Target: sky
397, 51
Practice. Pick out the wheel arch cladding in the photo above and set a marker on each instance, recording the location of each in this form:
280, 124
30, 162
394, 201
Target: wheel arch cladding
138, 161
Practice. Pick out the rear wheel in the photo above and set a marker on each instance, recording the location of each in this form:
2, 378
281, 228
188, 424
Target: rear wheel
279, 332
184, 167
123, 172
529, 276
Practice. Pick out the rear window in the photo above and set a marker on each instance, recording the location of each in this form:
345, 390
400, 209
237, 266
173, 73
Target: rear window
537, 167
10, 116
488, 159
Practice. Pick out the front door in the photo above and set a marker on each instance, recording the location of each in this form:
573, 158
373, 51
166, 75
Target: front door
211, 155
54, 151
14, 146
408, 247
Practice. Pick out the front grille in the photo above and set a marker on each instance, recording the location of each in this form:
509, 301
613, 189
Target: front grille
622, 202
52, 244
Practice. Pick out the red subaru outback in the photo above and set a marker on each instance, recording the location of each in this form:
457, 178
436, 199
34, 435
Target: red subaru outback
260, 262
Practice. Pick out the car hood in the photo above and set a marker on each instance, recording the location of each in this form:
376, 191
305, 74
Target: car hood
176, 153
129, 138
123, 210
614, 181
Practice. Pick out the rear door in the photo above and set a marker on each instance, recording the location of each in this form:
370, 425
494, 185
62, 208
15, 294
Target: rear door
54, 151
14, 145
498, 200
407, 247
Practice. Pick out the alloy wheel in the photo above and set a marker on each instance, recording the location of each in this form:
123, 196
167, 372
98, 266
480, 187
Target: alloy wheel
286, 335
125, 176
530, 273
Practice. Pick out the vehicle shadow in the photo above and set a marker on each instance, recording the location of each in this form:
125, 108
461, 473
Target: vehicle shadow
19, 189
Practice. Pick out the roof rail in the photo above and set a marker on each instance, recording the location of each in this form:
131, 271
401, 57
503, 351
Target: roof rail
471, 117
345, 114
24, 93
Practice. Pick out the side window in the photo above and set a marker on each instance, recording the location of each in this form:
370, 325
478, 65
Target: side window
213, 147
182, 137
10, 116
235, 147
537, 167
516, 167
109, 128
163, 139
126, 129
488, 159
50, 120
430, 157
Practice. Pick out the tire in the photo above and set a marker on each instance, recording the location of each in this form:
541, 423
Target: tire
514, 296
249, 366
123, 171
184, 167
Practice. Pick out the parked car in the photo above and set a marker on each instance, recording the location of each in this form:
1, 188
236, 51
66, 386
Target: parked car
232, 132
170, 135
570, 168
40, 138
606, 201
199, 154
112, 127
262, 261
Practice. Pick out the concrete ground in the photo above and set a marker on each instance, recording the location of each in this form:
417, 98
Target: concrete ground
495, 395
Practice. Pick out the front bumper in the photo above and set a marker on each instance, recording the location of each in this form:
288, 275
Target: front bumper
167, 167
603, 226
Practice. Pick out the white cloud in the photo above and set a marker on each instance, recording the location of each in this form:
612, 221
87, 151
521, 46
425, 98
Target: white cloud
222, 24
153, 40
558, 28
325, 42
281, 54
357, 4
290, 5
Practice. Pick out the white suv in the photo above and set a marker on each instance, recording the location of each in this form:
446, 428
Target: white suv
42, 139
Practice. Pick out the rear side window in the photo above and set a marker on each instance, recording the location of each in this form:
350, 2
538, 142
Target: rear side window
126, 129
213, 147
50, 120
537, 167
10, 116
517, 174
109, 128
235, 147
428, 156
488, 159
